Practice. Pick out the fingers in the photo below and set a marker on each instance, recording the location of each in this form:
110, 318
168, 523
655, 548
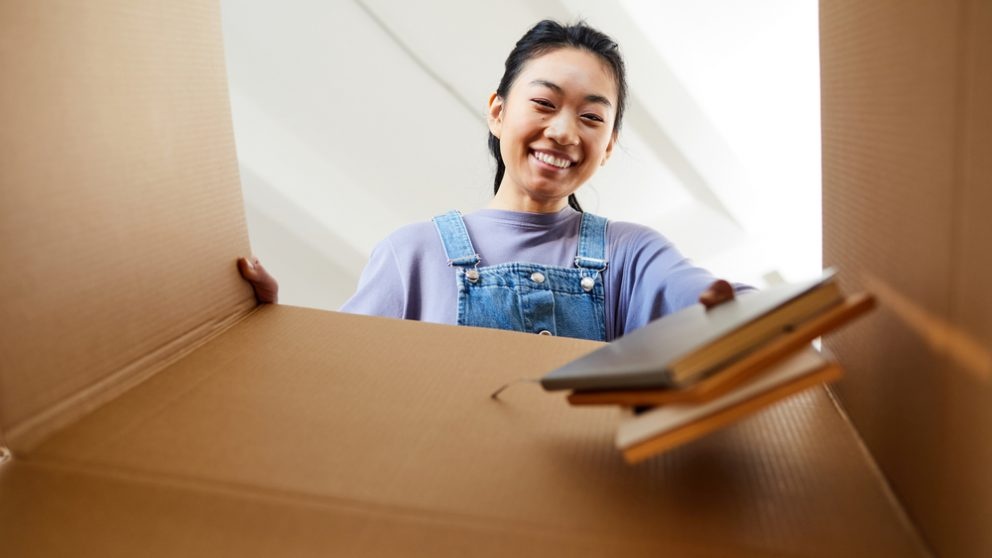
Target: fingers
265, 286
246, 268
252, 269
717, 293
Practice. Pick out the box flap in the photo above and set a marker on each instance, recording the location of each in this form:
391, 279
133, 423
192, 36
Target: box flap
296, 409
120, 208
907, 189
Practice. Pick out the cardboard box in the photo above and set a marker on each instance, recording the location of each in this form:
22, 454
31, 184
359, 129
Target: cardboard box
152, 409
907, 192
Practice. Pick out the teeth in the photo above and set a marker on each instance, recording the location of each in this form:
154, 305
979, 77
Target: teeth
552, 160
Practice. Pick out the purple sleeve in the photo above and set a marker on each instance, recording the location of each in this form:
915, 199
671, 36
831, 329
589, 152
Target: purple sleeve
654, 278
381, 290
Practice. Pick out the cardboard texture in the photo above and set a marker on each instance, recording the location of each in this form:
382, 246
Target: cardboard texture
152, 411
907, 188
302, 409
120, 208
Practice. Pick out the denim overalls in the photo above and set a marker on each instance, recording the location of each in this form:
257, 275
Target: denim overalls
530, 297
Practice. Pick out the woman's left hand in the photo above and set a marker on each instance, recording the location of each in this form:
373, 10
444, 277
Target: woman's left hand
265, 285
717, 293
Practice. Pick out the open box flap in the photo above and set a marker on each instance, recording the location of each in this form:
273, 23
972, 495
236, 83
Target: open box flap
907, 191
120, 212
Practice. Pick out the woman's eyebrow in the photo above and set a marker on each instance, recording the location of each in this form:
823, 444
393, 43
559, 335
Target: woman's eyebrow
557, 89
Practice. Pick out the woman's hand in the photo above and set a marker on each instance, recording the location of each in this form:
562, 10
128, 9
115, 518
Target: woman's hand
717, 293
265, 285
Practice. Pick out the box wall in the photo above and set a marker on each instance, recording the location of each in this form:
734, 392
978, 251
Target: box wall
907, 134
120, 207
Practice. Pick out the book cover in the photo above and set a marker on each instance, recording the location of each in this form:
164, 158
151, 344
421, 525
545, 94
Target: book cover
696, 339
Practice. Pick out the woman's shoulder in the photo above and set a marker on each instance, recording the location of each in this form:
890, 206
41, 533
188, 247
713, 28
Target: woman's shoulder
417, 228
627, 235
412, 233
425, 232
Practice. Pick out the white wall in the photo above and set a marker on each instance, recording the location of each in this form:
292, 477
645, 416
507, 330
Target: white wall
355, 117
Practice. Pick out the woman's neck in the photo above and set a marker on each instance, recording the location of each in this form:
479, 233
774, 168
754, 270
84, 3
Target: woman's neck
507, 201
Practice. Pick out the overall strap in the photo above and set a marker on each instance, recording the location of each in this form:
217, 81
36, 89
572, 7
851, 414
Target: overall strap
454, 236
592, 242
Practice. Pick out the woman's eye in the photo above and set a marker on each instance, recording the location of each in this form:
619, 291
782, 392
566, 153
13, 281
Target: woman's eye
593, 117
544, 103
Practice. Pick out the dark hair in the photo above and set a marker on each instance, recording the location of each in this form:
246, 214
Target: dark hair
545, 37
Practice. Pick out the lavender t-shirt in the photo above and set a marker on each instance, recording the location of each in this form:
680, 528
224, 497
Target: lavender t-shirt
647, 277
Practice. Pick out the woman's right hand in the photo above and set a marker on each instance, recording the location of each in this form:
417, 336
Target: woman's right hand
265, 285
716, 294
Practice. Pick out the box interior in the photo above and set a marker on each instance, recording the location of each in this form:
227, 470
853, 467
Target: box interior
153, 409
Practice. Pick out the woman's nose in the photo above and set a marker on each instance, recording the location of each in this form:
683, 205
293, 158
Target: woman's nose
562, 130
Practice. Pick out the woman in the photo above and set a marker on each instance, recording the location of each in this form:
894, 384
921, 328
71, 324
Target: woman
532, 260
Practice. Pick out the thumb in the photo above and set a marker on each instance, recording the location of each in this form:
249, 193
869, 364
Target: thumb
248, 267
720, 291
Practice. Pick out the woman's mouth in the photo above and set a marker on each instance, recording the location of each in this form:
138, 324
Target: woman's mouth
549, 160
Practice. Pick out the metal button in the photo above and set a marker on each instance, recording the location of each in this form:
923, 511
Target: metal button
472, 275
537, 277
587, 283
544, 332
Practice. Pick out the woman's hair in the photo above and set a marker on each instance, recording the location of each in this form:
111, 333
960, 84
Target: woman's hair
543, 38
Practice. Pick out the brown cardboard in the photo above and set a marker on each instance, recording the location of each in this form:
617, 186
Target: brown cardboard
120, 208
152, 412
907, 188
393, 421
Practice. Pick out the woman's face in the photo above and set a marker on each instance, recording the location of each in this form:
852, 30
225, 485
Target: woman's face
555, 128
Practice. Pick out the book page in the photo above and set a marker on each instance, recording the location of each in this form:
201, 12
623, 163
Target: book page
639, 428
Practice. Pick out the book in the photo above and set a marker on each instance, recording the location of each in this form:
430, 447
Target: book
643, 435
738, 372
683, 348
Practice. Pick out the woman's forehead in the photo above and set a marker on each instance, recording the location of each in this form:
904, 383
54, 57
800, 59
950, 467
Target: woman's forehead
575, 71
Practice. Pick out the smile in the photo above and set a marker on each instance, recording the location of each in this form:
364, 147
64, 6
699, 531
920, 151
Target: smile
549, 159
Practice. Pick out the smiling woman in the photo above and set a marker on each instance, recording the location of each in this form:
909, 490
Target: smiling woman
550, 268
553, 129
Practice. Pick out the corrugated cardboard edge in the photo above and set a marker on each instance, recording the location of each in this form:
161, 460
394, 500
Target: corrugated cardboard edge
897, 505
28, 434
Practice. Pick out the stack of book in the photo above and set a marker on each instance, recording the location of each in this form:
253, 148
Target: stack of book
698, 370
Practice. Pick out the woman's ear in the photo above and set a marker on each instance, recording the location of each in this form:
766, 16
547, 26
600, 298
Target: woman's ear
495, 115
609, 149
